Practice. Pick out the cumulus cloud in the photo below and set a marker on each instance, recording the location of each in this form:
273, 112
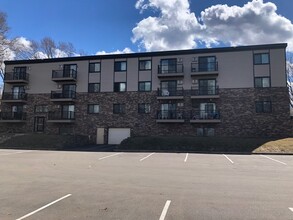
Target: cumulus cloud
125, 50
176, 27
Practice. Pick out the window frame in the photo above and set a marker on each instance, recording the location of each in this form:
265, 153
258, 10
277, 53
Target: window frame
261, 59
115, 86
142, 108
93, 105
262, 109
93, 91
144, 61
42, 109
144, 82
262, 82
118, 64
121, 108
93, 63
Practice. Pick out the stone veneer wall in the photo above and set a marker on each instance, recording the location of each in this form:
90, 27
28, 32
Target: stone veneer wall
237, 109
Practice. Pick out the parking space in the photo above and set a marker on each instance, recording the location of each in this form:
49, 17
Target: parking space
107, 185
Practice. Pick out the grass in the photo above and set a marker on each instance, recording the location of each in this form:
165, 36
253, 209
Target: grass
208, 144
42, 141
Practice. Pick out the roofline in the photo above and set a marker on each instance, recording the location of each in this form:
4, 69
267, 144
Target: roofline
152, 54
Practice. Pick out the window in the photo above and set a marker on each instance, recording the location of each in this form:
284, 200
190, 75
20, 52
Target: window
207, 87
120, 87
94, 87
69, 91
41, 108
120, 66
119, 108
169, 66
145, 65
94, 67
93, 108
144, 108
69, 70
207, 64
19, 72
261, 58
263, 106
169, 88
67, 112
144, 86
205, 132
262, 82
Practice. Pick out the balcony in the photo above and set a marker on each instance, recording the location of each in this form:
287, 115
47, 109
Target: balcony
170, 93
63, 96
19, 78
14, 97
64, 75
204, 68
61, 117
204, 92
12, 117
205, 117
170, 70
170, 116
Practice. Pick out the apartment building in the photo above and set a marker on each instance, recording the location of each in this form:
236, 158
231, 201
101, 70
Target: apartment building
233, 91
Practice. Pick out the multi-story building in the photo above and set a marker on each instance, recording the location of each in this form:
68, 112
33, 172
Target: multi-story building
235, 91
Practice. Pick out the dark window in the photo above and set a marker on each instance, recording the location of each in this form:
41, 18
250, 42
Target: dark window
205, 132
207, 87
144, 108
145, 65
120, 66
118, 108
207, 64
144, 86
120, 87
94, 87
168, 66
263, 106
20, 69
261, 58
262, 82
41, 108
93, 108
69, 70
94, 67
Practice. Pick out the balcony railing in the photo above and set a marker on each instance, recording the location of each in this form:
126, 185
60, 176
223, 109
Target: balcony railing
14, 96
204, 91
205, 115
64, 75
204, 67
170, 114
170, 69
12, 116
66, 94
63, 115
16, 77
171, 92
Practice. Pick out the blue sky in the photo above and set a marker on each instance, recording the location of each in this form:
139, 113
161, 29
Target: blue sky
95, 26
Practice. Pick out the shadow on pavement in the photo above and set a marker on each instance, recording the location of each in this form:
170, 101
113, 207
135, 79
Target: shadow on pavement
93, 148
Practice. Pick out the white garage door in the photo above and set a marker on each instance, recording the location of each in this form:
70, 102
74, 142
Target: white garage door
116, 135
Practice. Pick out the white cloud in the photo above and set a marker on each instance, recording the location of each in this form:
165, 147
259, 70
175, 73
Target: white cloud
125, 50
176, 27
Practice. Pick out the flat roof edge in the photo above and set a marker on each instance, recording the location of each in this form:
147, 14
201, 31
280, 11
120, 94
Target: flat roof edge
151, 54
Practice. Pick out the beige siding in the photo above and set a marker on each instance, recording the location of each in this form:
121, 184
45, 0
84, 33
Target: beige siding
107, 75
94, 77
132, 74
120, 76
278, 68
262, 70
145, 76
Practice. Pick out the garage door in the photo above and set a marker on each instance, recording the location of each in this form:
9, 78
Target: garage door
116, 135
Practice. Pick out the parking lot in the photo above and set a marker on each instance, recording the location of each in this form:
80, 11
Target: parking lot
41, 185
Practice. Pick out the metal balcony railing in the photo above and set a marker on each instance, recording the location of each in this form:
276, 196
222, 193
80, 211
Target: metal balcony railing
16, 76
66, 94
205, 115
170, 69
204, 66
60, 74
170, 114
20, 116
14, 96
63, 115
171, 92
198, 91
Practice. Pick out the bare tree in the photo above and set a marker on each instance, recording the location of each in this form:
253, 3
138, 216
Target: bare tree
4, 42
290, 79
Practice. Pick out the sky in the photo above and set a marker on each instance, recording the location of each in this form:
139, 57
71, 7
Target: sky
122, 26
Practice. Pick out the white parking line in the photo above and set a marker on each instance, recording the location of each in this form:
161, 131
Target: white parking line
228, 158
46, 206
146, 157
186, 157
165, 209
274, 159
291, 209
112, 155
22, 152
